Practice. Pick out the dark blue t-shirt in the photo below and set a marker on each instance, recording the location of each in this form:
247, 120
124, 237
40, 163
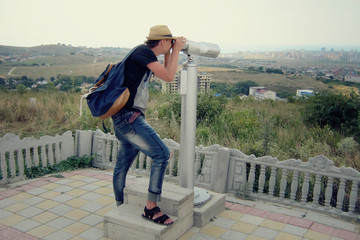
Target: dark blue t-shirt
135, 69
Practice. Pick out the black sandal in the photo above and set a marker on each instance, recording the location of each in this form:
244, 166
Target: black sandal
149, 214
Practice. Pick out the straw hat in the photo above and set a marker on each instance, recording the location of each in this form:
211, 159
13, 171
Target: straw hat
160, 32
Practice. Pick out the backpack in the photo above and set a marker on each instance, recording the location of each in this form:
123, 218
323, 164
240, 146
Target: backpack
107, 96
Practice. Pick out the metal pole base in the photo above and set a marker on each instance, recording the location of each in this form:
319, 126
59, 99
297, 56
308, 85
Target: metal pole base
201, 196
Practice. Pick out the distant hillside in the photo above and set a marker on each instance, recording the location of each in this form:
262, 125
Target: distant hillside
57, 49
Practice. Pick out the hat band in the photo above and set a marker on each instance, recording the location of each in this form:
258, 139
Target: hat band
169, 35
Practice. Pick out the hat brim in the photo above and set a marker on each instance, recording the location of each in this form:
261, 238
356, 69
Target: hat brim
159, 38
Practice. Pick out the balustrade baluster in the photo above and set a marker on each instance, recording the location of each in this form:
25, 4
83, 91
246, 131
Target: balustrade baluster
294, 185
272, 181
29, 163
317, 189
171, 163
283, 183
353, 196
305, 188
341, 194
3, 166
197, 164
20, 159
57, 153
107, 152
148, 163
43, 153
262, 179
36, 156
329, 191
50, 155
12, 164
103, 150
115, 150
251, 177
141, 160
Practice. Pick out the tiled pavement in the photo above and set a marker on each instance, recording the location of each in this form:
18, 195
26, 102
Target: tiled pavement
73, 206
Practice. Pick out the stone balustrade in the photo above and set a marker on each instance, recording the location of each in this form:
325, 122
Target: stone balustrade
316, 184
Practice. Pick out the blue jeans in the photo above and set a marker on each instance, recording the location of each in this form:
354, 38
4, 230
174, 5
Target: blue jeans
134, 137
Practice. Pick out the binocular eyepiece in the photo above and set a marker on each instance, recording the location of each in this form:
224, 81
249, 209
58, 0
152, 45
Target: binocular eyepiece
203, 49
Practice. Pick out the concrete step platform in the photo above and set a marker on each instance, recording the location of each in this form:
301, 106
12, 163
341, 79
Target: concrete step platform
126, 222
175, 200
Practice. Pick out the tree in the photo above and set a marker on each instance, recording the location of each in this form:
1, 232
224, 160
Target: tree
20, 88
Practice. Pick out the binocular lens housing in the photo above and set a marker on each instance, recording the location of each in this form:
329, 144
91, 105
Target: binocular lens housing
203, 49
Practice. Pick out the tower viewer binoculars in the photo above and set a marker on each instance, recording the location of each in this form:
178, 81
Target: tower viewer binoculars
203, 49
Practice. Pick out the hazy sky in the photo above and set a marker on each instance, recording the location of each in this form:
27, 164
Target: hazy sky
235, 25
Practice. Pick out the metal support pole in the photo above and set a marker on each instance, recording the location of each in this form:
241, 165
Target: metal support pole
188, 125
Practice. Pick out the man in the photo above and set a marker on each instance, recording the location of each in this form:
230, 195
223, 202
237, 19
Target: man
130, 126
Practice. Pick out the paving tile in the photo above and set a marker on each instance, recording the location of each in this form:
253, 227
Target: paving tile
92, 234
34, 200
51, 186
259, 212
347, 235
47, 204
76, 192
104, 210
92, 220
60, 222
24, 236
240, 208
279, 217
265, 232
76, 228
77, 202
212, 230
49, 194
7, 202
89, 180
317, 227
61, 209
42, 231
252, 219
39, 183
63, 198
30, 211
65, 181
272, 224
287, 236
21, 196
76, 177
254, 237
91, 196
243, 227
37, 191
26, 225
298, 231
9, 233
105, 200
316, 235
59, 235
16, 207
103, 191
300, 222
102, 183
231, 235
9, 192
231, 215
224, 222
4, 213
200, 236
91, 207
76, 184
12, 219
76, 214
63, 189
45, 217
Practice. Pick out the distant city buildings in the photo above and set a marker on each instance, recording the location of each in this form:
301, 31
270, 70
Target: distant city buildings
352, 77
304, 93
261, 93
173, 87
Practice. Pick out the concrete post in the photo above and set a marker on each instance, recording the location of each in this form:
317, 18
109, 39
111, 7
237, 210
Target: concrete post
222, 168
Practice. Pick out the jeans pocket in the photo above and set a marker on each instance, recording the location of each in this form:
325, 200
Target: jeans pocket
124, 128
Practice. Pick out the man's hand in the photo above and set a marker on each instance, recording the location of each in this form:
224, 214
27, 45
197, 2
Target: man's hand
179, 44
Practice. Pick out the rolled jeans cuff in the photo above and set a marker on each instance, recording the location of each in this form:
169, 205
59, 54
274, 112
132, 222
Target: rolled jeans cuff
153, 197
